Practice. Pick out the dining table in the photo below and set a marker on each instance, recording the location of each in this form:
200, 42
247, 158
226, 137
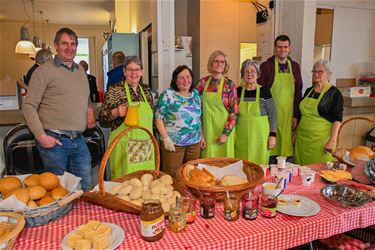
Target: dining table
281, 232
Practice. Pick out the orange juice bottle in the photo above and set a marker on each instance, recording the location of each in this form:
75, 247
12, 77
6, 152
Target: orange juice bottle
131, 118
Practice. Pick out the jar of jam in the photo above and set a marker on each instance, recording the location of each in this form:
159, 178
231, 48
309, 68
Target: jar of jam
176, 218
207, 205
188, 205
269, 205
231, 207
250, 202
152, 220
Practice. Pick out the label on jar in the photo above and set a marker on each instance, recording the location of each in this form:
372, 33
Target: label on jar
230, 214
249, 214
269, 212
207, 211
153, 227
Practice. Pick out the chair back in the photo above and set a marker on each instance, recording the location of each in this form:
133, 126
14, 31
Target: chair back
20, 152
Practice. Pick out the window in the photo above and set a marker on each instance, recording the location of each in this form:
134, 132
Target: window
83, 51
247, 51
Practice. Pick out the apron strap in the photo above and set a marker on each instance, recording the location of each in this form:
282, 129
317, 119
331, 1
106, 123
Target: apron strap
220, 88
127, 92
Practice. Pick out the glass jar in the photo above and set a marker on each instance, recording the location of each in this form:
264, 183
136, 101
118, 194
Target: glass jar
176, 218
231, 207
207, 205
131, 118
152, 220
269, 206
188, 205
250, 202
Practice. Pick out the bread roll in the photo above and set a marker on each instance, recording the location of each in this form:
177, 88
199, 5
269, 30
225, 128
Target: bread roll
166, 179
45, 201
49, 180
361, 153
37, 192
31, 180
22, 194
59, 192
9, 183
230, 180
31, 204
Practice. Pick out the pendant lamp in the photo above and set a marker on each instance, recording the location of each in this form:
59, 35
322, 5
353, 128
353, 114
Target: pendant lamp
24, 46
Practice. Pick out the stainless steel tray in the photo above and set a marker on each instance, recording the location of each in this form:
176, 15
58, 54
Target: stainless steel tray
345, 196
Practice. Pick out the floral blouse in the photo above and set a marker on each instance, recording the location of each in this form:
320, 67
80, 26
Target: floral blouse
181, 116
229, 97
115, 96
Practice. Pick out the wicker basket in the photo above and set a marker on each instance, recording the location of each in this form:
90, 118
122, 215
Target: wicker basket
341, 151
51, 212
113, 202
12, 223
253, 172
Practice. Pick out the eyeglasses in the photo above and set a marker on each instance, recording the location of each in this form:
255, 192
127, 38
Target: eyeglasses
218, 62
252, 72
133, 70
318, 72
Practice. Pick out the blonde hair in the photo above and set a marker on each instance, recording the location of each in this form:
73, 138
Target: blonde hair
212, 58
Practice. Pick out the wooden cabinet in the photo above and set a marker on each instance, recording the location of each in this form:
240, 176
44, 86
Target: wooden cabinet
125, 42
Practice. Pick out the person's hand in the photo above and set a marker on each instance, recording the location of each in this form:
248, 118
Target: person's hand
294, 123
358, 172
222, 139
119, 111
203, 143
329, 146
91, 121
168, 144
47, 141
122, 109
271, 142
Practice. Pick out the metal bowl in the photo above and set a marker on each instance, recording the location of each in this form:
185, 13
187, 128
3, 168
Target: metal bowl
345, 196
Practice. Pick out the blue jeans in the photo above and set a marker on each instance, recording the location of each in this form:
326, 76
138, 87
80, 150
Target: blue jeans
72, 156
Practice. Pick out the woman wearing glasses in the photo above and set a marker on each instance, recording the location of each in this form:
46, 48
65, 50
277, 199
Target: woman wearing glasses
321, 117
256, 124
220, 108
134, 152
178, 120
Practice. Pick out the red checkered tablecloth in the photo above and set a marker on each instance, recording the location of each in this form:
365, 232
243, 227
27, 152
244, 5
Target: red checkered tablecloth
281, 232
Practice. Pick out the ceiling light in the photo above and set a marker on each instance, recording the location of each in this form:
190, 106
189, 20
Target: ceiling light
24, 46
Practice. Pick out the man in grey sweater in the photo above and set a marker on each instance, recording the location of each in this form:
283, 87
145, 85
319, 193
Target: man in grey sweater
57, 110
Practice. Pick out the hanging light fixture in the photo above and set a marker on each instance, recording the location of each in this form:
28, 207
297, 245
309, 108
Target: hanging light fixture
36, 39
24, 46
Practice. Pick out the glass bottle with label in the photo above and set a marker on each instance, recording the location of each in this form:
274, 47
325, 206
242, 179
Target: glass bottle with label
152, 220
269, 206
207, 205
231, 207
188, 204
176, 218
250, 202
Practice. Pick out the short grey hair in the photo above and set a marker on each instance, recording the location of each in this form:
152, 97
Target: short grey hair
247, 63
42, 56
326, 64
132, 59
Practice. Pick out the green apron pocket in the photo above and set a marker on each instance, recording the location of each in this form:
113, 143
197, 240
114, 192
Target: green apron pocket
139, 150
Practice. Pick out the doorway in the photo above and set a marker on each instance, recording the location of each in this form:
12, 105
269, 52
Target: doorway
323, 34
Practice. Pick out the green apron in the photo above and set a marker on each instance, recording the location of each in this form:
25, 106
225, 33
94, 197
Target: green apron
313, 132
215, 116
252, 131
282, 91
135, 150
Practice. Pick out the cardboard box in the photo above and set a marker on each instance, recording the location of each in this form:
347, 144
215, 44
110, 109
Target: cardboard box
354, 92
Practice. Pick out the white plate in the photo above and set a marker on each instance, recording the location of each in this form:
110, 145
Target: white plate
307, 207
115, 239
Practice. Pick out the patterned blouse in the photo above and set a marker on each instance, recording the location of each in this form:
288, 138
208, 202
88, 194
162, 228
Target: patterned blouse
181, 116
115, 96
229, 97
